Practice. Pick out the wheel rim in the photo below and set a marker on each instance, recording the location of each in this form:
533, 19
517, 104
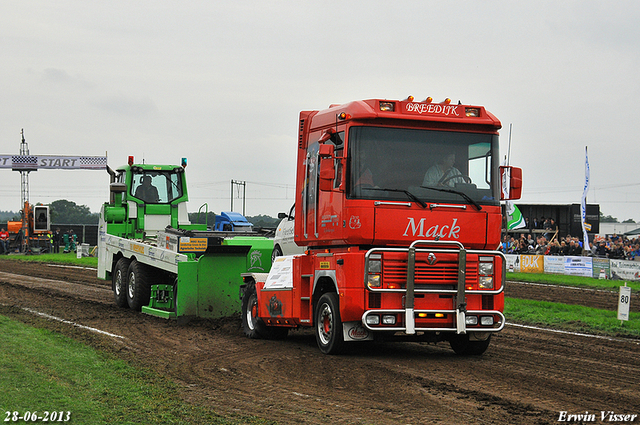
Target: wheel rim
325, 324
118, 286
252, 312
132, 285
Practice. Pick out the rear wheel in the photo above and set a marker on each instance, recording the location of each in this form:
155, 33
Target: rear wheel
138, 286
329, 325
465, 347
120, 273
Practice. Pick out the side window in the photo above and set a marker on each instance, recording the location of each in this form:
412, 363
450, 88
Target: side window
339, 150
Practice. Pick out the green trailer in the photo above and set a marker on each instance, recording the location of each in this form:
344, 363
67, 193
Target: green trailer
161, 264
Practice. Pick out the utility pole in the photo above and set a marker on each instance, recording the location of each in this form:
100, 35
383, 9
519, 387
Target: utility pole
244, 192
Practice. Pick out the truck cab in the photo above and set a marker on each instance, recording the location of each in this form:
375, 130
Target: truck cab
398, 206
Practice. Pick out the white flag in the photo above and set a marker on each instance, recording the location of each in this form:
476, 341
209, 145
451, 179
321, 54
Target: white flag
583, 206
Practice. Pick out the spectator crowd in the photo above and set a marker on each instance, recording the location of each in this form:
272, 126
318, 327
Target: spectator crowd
615, 247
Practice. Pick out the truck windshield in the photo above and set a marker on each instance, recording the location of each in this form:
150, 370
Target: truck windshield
386, 163
157, 187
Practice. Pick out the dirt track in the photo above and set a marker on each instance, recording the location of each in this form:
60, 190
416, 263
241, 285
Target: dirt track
526, 376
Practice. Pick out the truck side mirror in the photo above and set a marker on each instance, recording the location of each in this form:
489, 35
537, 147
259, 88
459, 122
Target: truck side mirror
326, 135
327, 167
511, 181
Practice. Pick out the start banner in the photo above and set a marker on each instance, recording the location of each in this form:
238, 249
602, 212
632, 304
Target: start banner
52, 162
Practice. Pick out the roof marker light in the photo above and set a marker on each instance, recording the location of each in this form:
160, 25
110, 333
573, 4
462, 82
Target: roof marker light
344, 116
387, 106
472, 112
409, 99
428, 100
446, 101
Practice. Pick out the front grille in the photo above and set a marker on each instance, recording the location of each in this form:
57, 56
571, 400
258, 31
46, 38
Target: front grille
443, 272
375, 299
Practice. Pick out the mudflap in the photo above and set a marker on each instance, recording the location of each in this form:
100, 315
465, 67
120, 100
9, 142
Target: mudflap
354, 331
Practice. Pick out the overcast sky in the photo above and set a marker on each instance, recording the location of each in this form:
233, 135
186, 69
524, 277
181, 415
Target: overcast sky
222, 83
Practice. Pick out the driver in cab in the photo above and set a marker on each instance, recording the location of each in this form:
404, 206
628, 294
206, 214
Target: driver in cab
147, 192
443, 173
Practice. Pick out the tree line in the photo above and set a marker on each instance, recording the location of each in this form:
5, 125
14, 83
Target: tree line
68, 212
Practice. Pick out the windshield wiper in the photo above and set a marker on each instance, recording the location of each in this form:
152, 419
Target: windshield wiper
406, 192
464, 195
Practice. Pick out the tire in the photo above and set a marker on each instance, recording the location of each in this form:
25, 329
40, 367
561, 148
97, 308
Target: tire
463, 347
138, 285
253, 326
277, 252
119, 282
328, 325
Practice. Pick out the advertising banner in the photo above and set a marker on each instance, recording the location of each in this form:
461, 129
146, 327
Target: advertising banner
513, 263
531, 263
601, 265
578, 266
554, 265
625, 270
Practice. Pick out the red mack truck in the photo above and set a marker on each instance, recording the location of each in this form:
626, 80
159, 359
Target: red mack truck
398, 207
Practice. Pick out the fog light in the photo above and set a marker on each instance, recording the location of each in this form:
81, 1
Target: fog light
373, 320
388, 319
471, 320
486, 320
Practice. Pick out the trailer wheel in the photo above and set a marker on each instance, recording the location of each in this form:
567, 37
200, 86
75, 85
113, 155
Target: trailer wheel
138, 286
463, 347
253, 326
120, 274
329, 325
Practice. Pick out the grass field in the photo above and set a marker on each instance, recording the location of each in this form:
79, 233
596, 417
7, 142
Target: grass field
556, 279
43, 371
70, 258
574, 318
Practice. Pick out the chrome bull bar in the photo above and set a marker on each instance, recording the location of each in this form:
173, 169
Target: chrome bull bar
460, 291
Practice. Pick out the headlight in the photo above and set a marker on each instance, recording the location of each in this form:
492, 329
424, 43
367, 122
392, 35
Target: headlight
374, 281
486, 282
471, 320
375, 263
374, 269
485, 269
373, 320
388, 319
486, 320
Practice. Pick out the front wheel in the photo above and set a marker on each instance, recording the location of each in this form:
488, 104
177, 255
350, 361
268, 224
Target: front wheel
329, 325
465, 347
252, 325
139, 287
